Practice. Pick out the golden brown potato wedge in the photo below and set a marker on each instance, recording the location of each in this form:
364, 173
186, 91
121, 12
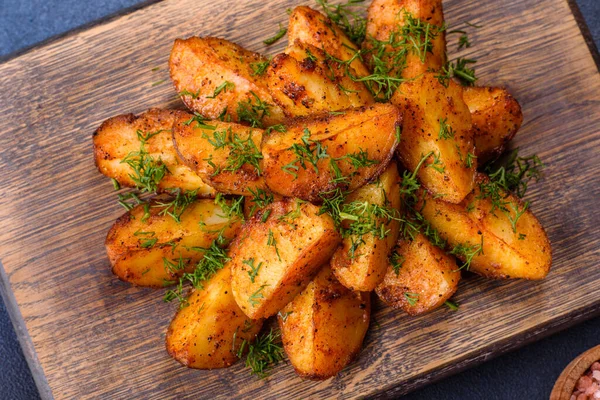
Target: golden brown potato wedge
277, 253
333, 143
304, 81
324, 326
499, 247
120, 138
496, 118
360, 263
208, 332
309, 26
393, 19
437, 122
426, 277
217, 78
225, 155
147, 247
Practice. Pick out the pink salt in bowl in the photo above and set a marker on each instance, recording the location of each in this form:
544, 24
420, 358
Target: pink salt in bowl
581, 379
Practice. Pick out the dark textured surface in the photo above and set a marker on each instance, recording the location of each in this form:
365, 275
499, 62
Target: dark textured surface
24, 23
530, 371
591, 12
15, 379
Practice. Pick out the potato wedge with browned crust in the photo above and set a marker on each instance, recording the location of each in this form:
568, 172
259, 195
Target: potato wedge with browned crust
397, 31
324, 326
304, 81
217, 78
496, 117
362, 260
137, 151
207, 332
148, 247
277, 253
311, 27
316, 156
493, 230
225, 155
437, 122
421, 279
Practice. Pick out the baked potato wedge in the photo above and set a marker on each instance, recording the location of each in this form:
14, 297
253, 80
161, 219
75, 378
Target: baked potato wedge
311, 27
304, 81
496, 117
217, 78
137, 151
208, 331
318, 155
486, 229
324, 326
361, 262
148, 247
224, 154
394, 30
277, 253
437, 122
421, 279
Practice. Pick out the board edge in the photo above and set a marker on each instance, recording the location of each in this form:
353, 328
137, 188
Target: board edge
491, 352
25, 341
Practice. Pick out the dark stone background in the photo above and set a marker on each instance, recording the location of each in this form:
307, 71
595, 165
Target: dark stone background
528, 373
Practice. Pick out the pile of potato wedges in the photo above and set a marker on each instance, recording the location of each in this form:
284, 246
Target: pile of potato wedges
297, 185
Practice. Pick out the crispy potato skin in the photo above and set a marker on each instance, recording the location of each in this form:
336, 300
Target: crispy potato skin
496, 116
324, 326
117, 137
368, 266
387, 16
426, 271
200, 65
144, 266
311, 27
301, 242
504, 254
194, 147
303, 82
425, 102
201, 335
372, 129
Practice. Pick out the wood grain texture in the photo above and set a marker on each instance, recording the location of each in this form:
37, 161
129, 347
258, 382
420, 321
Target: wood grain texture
96, 337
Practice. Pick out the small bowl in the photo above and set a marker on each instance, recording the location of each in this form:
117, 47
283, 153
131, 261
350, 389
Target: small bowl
565, 384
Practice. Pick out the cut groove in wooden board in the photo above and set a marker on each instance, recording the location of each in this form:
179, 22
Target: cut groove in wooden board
97, 337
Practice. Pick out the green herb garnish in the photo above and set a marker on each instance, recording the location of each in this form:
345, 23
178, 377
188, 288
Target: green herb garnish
253, 112
453, 306
147, 172
254, 297
222, 87
259, 68
231, 209
178, 205
411, 298
276, 37
262, 354
467, 252
253, 268
348, 17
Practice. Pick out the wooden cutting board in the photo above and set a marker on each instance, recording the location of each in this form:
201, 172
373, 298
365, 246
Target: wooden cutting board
87, 335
